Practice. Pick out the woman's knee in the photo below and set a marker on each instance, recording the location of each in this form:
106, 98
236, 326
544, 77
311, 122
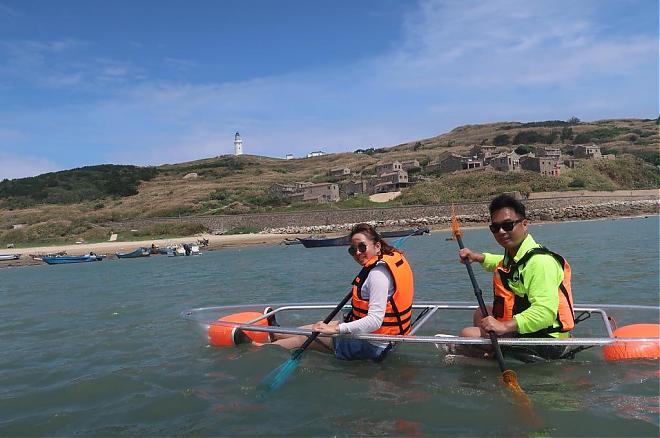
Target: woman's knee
470, 332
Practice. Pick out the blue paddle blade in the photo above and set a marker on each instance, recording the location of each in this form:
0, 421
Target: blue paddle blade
279, 375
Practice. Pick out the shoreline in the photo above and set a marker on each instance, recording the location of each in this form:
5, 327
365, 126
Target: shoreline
232, 241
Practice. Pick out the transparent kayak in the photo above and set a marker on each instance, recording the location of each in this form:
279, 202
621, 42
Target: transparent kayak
599, 325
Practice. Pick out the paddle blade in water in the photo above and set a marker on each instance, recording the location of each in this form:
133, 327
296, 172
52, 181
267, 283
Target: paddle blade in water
510, 379
279, 375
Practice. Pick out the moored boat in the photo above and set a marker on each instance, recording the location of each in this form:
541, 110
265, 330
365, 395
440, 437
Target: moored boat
4, 257
611, 332
63, 260
185, 249
139, 252
318, 242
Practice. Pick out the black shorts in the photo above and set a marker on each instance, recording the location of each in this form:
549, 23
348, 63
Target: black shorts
535, 353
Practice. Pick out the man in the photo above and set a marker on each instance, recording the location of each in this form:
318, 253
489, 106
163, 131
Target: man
531, 285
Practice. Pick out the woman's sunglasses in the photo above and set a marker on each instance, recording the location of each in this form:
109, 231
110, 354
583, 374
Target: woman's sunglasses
506, 225
360, 248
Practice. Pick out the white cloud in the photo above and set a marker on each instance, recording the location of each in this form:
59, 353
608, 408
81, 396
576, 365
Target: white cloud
457, 63
507, 43
12, 166
62, 64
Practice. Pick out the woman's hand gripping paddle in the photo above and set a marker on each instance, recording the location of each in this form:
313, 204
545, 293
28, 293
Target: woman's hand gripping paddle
508, 376
279, 375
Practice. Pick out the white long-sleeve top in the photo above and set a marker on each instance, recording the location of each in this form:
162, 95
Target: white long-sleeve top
378, 286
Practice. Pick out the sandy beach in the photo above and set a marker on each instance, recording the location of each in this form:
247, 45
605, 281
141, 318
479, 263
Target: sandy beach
110, 248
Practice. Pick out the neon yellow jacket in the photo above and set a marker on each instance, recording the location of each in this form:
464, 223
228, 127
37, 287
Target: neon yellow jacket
539, 279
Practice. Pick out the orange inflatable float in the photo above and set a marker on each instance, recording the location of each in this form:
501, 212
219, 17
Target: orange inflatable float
635, 349
224, 335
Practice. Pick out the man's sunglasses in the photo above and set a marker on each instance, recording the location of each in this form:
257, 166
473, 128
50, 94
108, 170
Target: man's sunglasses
506, 225
360, 248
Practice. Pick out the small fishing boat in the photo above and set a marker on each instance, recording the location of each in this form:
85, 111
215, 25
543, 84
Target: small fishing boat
139, 252
39, 257
317, 242
610, 332
4, 257
63, 260
186, 249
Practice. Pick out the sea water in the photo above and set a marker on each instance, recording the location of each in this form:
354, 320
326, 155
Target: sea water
99, 349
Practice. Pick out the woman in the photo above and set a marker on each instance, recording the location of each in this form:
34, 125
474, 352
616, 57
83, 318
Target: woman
381, 302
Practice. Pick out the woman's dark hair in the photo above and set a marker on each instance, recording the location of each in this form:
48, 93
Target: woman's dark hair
373, 235
507, 201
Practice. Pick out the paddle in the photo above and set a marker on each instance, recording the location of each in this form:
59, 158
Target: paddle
279, 375
508, 376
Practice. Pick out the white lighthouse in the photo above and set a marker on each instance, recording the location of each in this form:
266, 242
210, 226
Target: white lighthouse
238, 144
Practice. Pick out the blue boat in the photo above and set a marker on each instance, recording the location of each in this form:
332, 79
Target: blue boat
140, 252
62, 260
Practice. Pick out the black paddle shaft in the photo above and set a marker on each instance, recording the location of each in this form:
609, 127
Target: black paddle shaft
482, 306
332, 314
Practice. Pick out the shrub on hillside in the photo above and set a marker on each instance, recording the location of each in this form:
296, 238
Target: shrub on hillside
166, 230
501, 140
73, 186
524, 149
628, 172
56, 231
534, 137
479, 186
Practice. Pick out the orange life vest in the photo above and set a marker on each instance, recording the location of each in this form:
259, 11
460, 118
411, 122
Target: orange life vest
398, 312
507, 303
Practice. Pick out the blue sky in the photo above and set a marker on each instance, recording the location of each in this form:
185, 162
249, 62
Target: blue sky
152, 82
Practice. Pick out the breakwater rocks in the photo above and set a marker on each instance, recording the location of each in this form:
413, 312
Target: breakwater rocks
541, 210
339, 221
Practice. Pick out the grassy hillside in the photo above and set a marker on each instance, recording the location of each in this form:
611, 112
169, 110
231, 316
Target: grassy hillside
76, 204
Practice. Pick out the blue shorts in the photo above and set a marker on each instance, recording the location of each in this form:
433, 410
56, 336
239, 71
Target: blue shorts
353, 349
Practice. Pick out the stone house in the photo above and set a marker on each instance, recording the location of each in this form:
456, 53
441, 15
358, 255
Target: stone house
543, 165
321, 193
382, 168
283, 189
454, 162
410, 165
339, 171
506, 162
483, 152
450, 162
548, 151
392, 181
354, 187
589, 152
470, 163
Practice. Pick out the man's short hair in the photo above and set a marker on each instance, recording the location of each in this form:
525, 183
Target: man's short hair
504, 201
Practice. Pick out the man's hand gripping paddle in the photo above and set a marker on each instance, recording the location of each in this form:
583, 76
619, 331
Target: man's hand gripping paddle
508, 376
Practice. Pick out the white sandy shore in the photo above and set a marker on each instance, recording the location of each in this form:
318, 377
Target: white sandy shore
113, 247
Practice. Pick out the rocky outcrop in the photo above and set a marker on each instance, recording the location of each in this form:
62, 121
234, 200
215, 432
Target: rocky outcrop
339, 221
548, 213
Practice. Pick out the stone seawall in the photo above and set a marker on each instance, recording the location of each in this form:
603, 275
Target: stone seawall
315, 222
